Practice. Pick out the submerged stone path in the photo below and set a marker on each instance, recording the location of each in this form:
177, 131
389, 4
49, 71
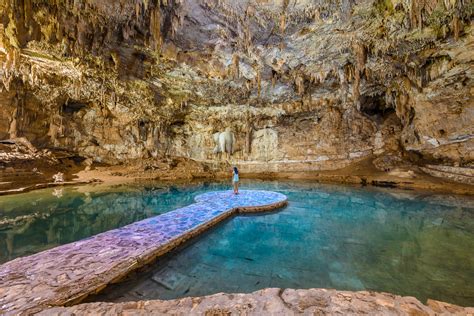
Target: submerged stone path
69, 273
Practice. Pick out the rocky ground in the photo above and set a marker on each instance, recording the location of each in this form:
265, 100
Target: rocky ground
273, 302
361, 173
18, 179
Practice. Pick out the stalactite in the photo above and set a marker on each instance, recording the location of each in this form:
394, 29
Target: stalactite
60, 114
113, 99
456, 26
274, 78
250, 11
6, 82
248, 133
248, 85
420, 9
235, 66
415, 14
259, 82
356, 89
13, 128
3, 39
349, 72
361, 58
283, 16
309, 93
10, 66
360, 54
138, 7
77, 88
281, 46
155, 28
103, 100
368, 74
247, 39
299, 83
175, 22
282, 22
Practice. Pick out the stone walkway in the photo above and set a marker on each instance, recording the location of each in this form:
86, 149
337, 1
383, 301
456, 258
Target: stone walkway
67, 274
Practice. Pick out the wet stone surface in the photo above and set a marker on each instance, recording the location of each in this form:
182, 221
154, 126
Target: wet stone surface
68, 273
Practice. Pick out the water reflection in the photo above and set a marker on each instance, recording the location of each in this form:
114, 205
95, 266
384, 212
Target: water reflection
408, 243
58, 192
332, 237
43, 219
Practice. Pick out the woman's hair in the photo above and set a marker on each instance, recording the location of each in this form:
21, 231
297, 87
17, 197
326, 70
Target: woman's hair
236, 171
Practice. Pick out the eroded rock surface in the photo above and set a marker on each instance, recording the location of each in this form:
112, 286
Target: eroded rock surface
273, 302
304, 85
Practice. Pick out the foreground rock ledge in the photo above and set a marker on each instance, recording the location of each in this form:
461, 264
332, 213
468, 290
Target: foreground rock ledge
273, 301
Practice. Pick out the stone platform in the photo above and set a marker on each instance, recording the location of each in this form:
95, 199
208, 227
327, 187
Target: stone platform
67, 274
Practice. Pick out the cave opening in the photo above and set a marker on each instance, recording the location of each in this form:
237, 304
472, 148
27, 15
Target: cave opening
375, 106
71, 107
143, 129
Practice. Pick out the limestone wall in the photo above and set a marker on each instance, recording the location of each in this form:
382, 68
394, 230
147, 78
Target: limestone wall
313, 84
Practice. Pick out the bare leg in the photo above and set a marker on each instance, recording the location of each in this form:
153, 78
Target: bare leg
236, 188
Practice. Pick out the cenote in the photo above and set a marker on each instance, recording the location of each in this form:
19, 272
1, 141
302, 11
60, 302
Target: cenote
342, 237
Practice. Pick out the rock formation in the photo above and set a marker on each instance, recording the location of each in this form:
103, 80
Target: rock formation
305, 85
275, 301
224, 142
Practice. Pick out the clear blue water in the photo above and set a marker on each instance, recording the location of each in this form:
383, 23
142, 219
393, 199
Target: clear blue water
42, 219
348, 238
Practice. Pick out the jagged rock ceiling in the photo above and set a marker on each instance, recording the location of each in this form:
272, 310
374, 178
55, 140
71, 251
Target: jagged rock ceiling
301, 83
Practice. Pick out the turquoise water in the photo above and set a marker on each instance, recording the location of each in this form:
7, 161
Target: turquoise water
328, 236
42, 219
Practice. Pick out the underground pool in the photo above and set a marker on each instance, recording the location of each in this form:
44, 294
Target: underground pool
329, 236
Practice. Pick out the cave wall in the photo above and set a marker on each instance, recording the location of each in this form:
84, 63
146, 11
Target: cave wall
303, 85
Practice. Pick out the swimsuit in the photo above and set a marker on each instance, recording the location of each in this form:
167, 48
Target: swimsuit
235, 178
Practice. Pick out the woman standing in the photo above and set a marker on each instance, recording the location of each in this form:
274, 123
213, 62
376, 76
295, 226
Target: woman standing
235, 180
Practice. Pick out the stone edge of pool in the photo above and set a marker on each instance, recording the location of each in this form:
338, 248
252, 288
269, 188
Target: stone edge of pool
273, 301
67, 274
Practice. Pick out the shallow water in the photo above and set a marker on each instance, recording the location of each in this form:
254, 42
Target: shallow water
42, 219
331, 237
328, 236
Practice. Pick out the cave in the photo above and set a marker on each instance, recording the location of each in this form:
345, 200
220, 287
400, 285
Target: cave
257, 157
375, 106
72, 107
143, 129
